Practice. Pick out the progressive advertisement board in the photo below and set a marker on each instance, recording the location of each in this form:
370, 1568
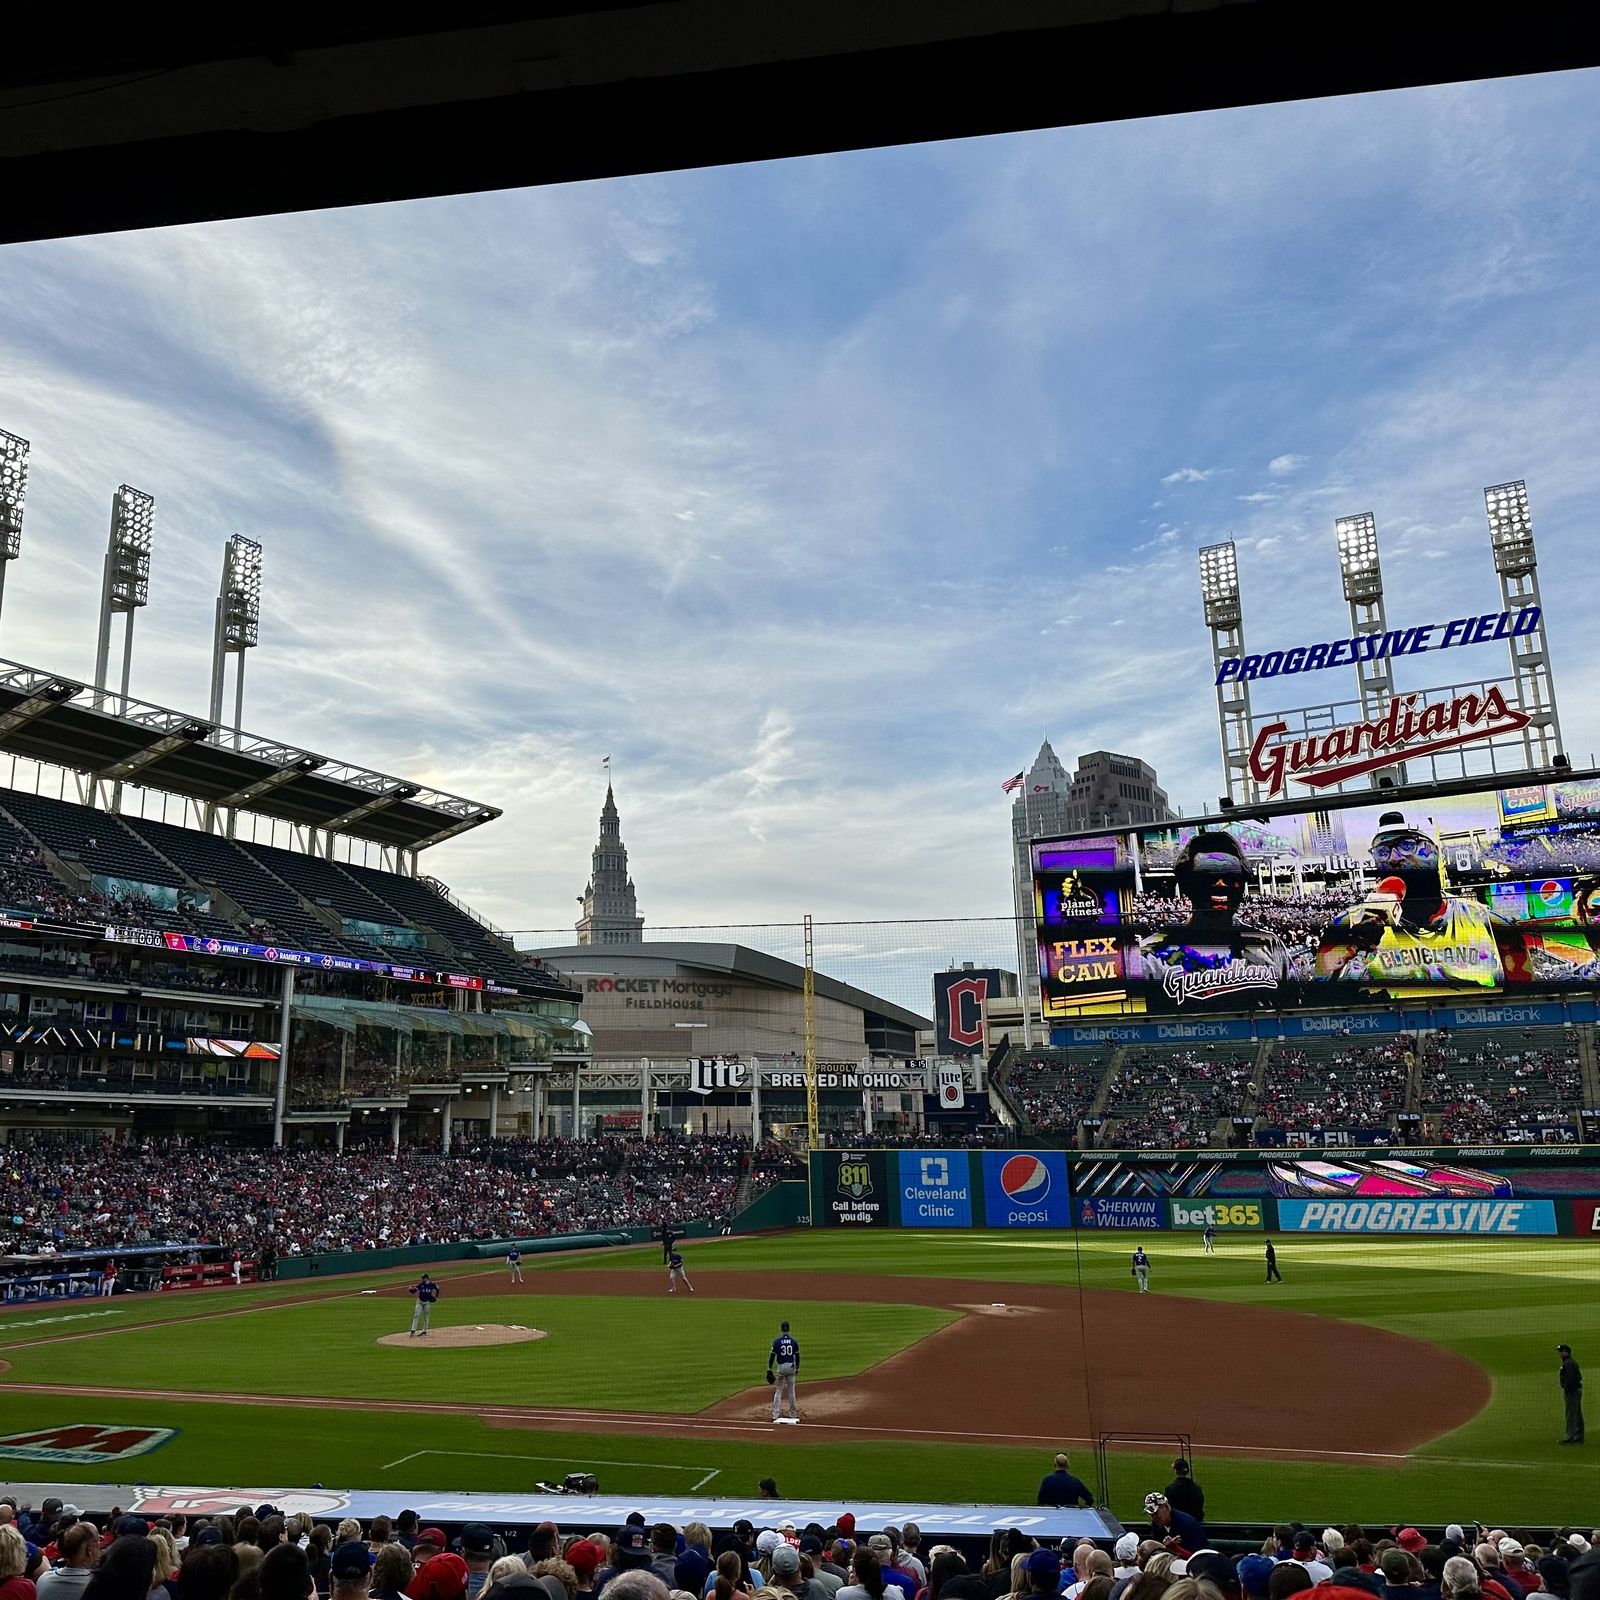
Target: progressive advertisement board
1492, 1193
1445, 899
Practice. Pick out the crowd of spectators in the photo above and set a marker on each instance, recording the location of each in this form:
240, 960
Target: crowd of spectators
1172, 1100
1491, 1088
265, 1554
1297, 918
57, 1195
1341, 1086
1054, 1088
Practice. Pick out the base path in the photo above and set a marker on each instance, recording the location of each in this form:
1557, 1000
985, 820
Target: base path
1236, 1377
1051, 1366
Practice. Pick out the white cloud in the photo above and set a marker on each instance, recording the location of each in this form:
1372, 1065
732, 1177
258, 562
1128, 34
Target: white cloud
1283, 466
1259, 498
1191, 475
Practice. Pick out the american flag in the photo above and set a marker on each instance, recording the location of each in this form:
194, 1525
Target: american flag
1011, 783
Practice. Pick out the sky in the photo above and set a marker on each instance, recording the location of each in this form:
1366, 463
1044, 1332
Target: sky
816, 493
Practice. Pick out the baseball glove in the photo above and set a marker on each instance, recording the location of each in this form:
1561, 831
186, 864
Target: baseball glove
771, 1378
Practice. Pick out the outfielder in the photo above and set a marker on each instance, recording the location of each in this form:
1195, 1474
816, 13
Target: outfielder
514, 1262
426, 1291
783, 1362
1209, 1238
1141, 1269
676, 1270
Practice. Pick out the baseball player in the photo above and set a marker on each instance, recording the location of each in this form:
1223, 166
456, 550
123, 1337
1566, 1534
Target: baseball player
426, 1291
1141, 1269
676, 1270
783, 1362
1209, 1239
514, 1263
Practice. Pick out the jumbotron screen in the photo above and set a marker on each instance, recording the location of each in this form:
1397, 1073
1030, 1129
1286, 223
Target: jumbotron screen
1456, 895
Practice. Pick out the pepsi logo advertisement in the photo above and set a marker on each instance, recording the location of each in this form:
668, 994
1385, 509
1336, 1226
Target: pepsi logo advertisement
1026, 1189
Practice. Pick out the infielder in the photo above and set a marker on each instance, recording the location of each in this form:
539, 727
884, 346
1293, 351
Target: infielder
1209, 1238
1141, 1269
676, 1270
783, 1362
426, 1291
514, 1262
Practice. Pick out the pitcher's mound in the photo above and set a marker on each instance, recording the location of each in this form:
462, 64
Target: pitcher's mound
462, 1338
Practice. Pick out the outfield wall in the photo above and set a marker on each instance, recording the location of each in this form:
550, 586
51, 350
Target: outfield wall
1490, 1192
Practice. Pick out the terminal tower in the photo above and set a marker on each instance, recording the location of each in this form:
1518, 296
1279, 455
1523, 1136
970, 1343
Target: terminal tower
610, 909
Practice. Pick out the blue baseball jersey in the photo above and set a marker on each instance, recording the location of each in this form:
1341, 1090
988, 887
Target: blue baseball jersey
513, 1256
427, 1291
1140, 1259
785, 1352
674, 1259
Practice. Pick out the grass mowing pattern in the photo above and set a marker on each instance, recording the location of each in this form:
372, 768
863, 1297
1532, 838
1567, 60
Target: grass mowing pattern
1504, 1304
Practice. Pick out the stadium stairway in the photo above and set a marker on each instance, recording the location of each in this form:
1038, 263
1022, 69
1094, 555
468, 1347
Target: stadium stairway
1001, 1060
1102, 1095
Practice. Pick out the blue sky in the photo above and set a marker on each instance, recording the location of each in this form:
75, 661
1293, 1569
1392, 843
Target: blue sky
817, 492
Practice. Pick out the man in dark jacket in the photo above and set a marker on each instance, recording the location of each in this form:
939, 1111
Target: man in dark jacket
1184, 1493
1061, 1488
1572, 1395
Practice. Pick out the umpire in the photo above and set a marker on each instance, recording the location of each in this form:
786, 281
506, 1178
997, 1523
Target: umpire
1572, 1394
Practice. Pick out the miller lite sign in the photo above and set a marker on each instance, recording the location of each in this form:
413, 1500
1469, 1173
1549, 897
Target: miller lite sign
1406, 730
716, 1074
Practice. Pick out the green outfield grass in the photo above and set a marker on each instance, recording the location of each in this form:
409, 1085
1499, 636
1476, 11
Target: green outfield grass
1503, 1304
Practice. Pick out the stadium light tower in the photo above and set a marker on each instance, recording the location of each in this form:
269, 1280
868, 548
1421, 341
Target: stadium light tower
125, 586
238, 622
1357, 538
13, 491
1511, 537
1219, 590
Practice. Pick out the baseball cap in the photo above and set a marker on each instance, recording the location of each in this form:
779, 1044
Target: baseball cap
785, 1559
767, 1541
208, 1536
880, 1545
433, 1536
440, 1577
131, 1527
1255, 1573
1454, 1532
267, 1510
1396, 1566
1127, 1547
584, 1556
1348, 1578
1153, 1502
810, 1545
476, 1540
1044, 1564
846, 1524
633, 1547
71, 1511
1410, 1540
1509, 1546
1211, 1564
1180, 1465
1564, 1349
1305, 1540
351, 1560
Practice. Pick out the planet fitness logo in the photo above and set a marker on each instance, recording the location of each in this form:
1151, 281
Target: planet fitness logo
1025, 1190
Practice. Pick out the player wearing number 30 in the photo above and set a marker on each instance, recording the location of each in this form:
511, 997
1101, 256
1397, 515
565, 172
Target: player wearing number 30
1141, 1269
783, 1362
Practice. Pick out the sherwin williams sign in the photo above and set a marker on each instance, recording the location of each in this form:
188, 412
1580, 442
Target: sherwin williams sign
1417, 1216
1026, 1189
935, 1189
1116, 1211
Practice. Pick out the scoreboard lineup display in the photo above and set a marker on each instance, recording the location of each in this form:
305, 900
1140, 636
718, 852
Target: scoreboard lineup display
1414, 898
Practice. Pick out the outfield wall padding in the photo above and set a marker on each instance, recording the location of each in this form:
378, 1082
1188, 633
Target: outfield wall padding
1491, 1191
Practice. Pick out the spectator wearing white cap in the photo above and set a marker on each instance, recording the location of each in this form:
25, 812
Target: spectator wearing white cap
1127, 1556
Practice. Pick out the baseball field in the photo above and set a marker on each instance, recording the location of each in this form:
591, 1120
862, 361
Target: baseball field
1380, 1380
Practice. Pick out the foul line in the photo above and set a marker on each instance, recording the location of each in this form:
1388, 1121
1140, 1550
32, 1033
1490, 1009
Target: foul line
503, 1455
689, 1425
